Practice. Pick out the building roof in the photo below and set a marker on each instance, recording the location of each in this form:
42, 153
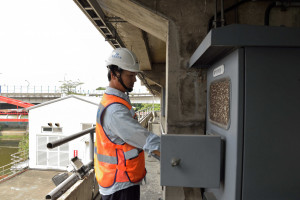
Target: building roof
91, 100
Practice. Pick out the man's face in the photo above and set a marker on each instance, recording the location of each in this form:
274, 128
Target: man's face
129, 78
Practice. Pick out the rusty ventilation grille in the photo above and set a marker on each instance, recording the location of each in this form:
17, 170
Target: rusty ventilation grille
219, 103
95, 14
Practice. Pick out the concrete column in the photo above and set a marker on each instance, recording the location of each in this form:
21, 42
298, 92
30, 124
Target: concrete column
185, 90
185, 103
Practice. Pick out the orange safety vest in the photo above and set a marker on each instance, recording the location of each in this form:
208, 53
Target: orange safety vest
115, 162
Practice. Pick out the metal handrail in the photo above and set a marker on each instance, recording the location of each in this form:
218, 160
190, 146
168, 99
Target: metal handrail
162, 129
65, 185
62, 141
8, 170
36, 89
69, 182
143, 113
3, 170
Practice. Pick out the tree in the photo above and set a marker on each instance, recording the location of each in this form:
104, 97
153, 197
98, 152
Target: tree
141, 106
69, 87
101, 88
24, 143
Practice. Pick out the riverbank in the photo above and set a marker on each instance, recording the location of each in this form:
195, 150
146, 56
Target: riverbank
11, 137
12, 132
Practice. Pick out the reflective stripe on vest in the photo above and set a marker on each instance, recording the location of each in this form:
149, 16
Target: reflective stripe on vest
115, 162
107, 159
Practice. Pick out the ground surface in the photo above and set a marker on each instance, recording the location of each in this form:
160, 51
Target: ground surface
30, 185
36, 184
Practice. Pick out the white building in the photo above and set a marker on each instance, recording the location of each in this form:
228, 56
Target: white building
57, 119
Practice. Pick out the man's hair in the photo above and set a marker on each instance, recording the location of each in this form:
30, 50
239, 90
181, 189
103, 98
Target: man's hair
113, 69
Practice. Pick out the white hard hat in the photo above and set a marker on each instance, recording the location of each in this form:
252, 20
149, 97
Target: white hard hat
123, 58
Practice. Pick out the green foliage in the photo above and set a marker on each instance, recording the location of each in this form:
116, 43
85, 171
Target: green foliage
24, 143
141, 106
101, 88
69, 87
137, 106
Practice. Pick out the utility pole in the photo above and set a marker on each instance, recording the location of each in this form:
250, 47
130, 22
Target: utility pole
27, 85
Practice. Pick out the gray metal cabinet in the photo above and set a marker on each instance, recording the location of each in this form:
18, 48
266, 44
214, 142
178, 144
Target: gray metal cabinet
253, 104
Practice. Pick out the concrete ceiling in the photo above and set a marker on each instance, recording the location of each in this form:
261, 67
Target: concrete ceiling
143, 32
139, 26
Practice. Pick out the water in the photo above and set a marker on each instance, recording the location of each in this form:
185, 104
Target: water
7, 147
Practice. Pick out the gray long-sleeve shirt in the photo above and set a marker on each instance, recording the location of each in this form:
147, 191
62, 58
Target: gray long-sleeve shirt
120, 127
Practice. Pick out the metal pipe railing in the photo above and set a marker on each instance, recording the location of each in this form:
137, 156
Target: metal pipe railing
66, 184
5, 170
59, 142
57, 89
69, 182
162, 129
12, 168
63, 187
92, 146
144, 112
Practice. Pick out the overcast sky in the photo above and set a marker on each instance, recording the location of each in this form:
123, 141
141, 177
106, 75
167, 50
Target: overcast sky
43, 42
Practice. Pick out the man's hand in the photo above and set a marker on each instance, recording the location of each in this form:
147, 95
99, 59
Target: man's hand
156, 152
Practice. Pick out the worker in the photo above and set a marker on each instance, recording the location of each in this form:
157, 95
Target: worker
120, 139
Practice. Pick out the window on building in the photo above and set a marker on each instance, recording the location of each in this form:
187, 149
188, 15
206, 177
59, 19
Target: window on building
56, 157
57, 129
51, 129
85, 126
46, 129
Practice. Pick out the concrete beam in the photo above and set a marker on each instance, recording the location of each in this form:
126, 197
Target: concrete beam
157, 74
138, 16
134, 40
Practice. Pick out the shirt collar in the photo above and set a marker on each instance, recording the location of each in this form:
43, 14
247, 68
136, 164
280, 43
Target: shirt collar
113, 91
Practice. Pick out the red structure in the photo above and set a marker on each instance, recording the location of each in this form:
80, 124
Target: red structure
15, 102
14, 112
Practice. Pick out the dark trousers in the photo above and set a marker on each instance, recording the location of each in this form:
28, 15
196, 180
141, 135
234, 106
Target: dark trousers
131, 193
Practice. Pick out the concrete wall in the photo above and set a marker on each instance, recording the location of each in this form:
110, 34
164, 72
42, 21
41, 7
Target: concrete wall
185, 89
185, 97
70, 113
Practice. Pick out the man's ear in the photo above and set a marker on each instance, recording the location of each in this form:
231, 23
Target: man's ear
117, 74
113, 75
